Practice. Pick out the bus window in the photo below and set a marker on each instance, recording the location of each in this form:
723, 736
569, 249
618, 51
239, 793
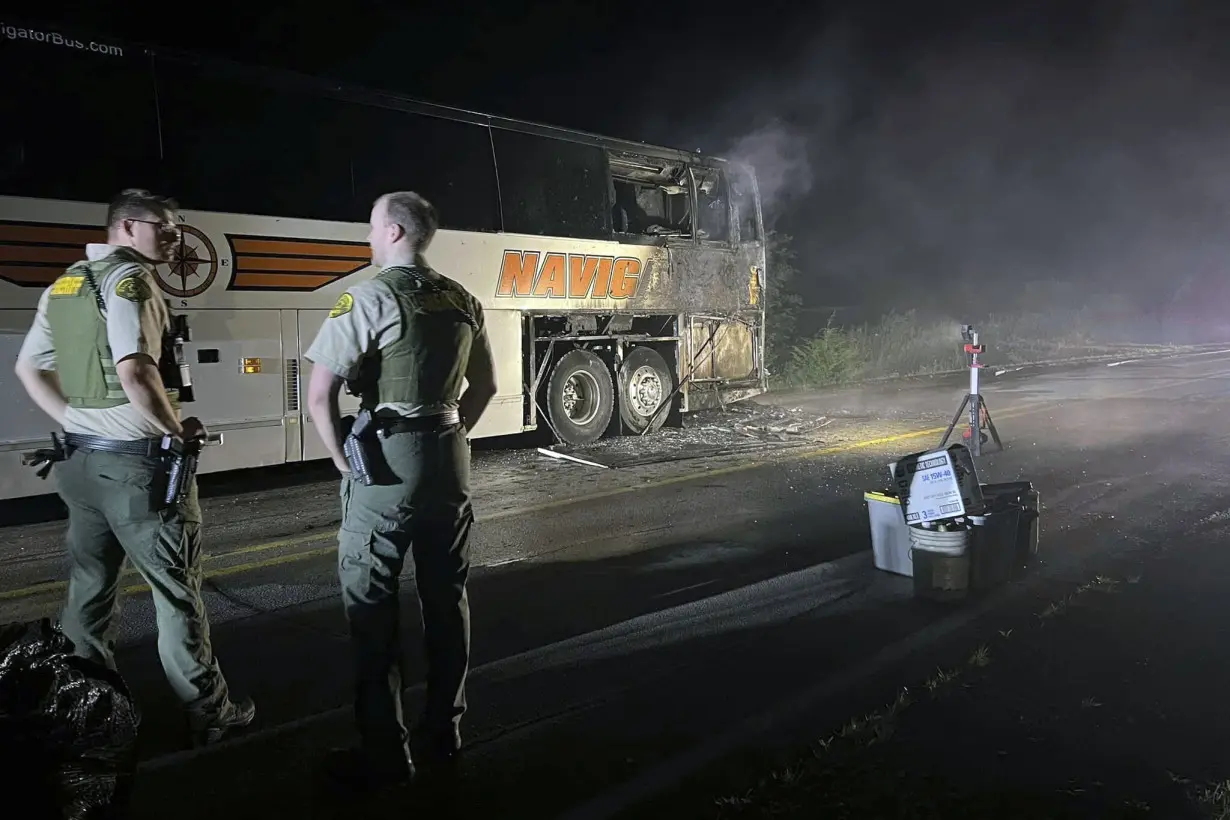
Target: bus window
79, 120
448, 162
651, 197
238, 147
712, 204
552, 187
743, 197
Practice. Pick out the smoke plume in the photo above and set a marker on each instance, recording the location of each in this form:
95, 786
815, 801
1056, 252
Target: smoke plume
995, 159
779, 155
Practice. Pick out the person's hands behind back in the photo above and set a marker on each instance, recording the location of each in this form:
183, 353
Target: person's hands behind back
193, 429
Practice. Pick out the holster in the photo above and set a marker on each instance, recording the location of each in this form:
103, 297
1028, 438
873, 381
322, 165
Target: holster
46, 458
179, 465
361, 446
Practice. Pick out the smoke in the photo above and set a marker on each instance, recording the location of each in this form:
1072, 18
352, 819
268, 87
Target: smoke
776, 123
779, 155
957, 160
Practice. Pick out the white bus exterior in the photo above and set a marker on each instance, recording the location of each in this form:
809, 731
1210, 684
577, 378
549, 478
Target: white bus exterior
605, 298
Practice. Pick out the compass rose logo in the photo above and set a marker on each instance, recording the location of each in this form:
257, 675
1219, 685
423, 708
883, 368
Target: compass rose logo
193, 266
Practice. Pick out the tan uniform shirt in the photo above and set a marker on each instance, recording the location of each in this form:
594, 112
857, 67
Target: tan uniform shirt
132, 328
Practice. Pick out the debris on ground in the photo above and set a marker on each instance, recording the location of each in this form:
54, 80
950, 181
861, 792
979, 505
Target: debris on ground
758, 421
562, 456
741, 427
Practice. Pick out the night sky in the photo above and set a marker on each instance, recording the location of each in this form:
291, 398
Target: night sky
912, 149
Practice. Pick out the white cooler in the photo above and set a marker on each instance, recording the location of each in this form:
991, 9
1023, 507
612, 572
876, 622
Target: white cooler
890, 537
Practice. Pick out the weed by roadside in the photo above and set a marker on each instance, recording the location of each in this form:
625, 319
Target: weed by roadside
907, 344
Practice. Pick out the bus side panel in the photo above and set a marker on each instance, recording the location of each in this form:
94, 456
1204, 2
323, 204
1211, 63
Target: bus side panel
726, 350
246, 407
23, 426
723, 357
310, 322
505, 415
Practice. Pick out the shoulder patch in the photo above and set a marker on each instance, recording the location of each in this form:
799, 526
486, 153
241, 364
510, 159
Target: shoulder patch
344, 303
133, 288
67, 285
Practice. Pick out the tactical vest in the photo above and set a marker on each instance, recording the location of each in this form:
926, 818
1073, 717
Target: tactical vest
84, 364
426, 364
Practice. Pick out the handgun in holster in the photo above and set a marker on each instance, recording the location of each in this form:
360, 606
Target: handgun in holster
180, 459
360, 445
45, 458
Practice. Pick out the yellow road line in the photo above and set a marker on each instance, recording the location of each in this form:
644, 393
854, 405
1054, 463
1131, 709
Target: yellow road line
33, 589
59, 586
793, 455
253, 565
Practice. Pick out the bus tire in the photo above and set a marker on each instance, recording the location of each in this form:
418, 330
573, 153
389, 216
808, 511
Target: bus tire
580, 398
645, 382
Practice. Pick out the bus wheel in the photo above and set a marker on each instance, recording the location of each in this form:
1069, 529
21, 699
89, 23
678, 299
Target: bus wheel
580, 398
645, 384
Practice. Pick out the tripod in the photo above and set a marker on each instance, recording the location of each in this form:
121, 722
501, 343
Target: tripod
979, 415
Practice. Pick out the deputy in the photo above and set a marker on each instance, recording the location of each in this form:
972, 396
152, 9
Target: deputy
403, 341
90, 361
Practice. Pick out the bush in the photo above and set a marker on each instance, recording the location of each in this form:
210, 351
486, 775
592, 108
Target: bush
830, 357
905, 344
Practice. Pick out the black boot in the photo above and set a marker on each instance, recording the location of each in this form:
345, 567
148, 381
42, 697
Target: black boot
207, 729
436, 747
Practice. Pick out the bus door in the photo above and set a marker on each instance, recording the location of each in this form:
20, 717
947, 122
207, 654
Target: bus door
235, 359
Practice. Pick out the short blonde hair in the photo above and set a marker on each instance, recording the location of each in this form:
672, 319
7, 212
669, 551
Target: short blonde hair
415, 215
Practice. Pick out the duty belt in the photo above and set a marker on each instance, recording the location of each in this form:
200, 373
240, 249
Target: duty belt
44, 459
391, 425
178, 461
147, 447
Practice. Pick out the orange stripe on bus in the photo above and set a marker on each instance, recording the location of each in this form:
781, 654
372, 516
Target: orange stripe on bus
53, 235
282, 247
41, 254
292, 264
281, 281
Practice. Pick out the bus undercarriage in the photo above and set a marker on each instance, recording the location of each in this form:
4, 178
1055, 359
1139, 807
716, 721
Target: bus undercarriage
596, 374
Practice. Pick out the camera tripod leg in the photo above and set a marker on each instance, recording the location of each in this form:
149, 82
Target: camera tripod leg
991, 425
955, 418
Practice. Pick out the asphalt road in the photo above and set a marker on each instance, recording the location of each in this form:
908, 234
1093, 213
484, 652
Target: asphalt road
628, 621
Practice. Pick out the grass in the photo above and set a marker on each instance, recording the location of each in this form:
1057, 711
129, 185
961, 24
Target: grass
906, 344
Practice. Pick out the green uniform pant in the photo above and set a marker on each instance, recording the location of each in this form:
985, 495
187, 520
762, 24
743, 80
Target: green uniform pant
425, 511
112, 517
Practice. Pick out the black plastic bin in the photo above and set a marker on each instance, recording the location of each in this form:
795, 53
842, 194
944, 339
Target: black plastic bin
1007, 542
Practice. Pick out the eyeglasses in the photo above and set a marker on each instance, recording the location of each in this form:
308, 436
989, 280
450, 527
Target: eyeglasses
169, 228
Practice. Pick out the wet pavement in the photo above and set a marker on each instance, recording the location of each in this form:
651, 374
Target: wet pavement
626, 620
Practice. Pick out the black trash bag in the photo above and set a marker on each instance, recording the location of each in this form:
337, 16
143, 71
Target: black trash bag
68, 729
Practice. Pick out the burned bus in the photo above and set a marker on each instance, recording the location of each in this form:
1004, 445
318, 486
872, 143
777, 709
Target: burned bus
623, 283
